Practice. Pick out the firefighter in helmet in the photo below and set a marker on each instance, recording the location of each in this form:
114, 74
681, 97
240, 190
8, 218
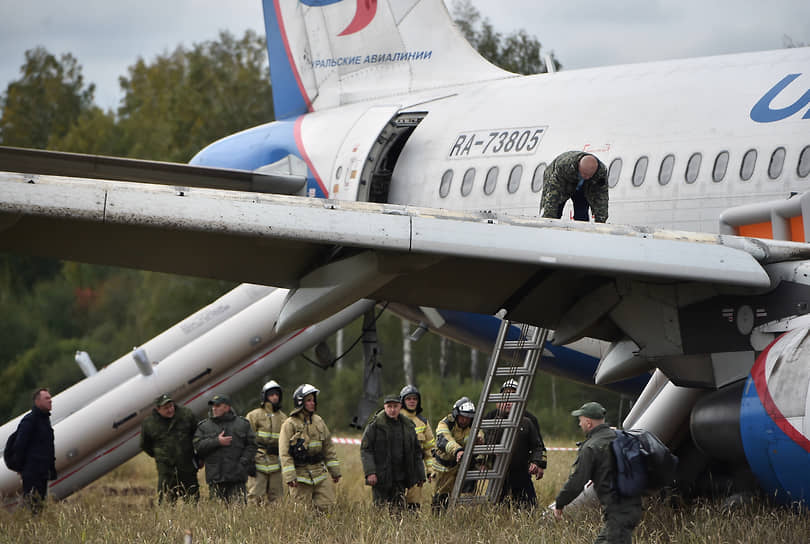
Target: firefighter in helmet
266, 422
309, 464
412, 408
452, 436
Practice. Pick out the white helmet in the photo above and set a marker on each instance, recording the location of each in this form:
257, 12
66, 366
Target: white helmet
301, 393
509, 384
272, 385
464, 407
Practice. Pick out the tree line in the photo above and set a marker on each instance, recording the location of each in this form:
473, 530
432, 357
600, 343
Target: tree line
172, 106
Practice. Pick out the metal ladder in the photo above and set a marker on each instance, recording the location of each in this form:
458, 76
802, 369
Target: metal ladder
504, 364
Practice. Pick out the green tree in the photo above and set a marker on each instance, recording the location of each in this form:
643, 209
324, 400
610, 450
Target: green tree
45, 102
517, 52
95, 132
182, 101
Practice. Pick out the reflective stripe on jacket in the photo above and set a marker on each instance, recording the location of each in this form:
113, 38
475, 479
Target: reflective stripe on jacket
318, 443
266, 423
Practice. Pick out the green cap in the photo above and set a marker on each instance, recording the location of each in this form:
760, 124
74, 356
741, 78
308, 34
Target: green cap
163, 399
393, 397
592, 410
220, 399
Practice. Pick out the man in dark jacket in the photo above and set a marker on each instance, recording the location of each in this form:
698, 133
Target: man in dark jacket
595, 462
528, 453
391, 455
227, 446
166, 435
35, 447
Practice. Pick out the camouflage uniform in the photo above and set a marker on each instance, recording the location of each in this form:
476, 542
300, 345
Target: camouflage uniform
266, 423
226, 467
316, 456
424, 434
169, 441
560, 182
450, 438
595, 462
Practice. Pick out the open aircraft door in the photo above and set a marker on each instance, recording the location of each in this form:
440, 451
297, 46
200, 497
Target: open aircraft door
366, 159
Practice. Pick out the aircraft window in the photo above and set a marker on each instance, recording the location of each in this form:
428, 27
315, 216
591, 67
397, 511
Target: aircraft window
640, 171
447, 179
339, 172
720, 166
614, 171
693, 167
467, 181
804, 163
491, 181
537, 178
748, 163
777, 162
665, 173
514, 178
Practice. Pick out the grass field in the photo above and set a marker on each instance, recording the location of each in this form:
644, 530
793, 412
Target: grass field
121, 507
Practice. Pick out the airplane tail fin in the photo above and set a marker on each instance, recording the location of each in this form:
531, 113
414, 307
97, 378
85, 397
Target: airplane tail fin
326, 53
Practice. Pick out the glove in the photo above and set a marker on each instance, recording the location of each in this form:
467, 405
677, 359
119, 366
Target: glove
251, 470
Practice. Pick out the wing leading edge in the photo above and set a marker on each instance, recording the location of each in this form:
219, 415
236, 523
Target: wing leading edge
115, 223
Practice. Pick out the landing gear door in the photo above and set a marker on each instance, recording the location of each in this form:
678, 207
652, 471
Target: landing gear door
345, 180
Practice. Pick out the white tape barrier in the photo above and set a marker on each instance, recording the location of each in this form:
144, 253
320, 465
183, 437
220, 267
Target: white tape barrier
356, 442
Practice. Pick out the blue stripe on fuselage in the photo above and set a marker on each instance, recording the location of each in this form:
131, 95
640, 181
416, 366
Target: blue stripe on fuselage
566, 362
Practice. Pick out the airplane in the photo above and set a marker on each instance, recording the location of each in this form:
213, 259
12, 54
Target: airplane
405, 168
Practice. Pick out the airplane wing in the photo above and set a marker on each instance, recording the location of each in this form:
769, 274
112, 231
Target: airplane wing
18, 159
612, 282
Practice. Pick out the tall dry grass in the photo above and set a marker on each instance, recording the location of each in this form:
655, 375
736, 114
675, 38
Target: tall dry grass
121, 507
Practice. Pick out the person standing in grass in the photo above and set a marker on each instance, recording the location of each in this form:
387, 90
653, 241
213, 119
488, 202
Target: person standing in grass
412, 409
309, 463
595, 461
166, 435
528, 452
227, 445
266, 422
391, 456
35, 449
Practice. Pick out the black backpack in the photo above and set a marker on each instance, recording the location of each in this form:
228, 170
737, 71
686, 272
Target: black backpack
631, 464
10, 455
643, 462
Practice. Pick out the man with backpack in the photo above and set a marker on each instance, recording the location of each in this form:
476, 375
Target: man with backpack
596, 462
35, 450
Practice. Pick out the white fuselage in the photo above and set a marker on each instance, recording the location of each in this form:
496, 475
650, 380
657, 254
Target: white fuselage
627, 113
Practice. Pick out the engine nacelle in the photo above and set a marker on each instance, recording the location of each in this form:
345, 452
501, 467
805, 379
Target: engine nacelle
775, 417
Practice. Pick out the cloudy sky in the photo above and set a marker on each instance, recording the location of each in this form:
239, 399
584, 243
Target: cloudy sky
107, 36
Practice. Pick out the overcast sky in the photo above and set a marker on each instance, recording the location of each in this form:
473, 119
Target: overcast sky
107, 36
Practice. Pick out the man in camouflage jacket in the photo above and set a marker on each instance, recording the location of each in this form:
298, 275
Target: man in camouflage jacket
166, 435
581, 177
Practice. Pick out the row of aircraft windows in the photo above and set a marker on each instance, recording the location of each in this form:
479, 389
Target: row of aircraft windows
719, 170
